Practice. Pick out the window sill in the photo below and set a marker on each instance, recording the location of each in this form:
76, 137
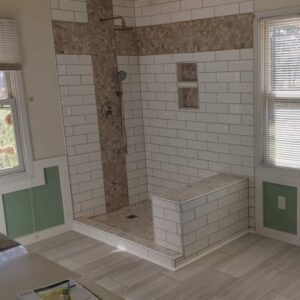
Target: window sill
279, 175
15, 177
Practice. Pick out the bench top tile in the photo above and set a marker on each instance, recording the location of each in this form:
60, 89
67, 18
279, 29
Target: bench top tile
200, 188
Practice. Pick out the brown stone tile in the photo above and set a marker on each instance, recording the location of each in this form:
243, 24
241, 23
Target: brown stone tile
103, 50
71, 38
126, 42
247, 31
222, 33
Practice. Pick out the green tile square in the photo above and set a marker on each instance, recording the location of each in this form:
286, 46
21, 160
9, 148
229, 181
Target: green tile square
18, 213
275, 218
35, 209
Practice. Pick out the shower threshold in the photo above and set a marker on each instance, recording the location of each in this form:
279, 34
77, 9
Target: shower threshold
130, 229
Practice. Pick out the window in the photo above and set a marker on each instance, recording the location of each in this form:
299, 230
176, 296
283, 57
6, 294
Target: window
10, 145
280, 91
12, 108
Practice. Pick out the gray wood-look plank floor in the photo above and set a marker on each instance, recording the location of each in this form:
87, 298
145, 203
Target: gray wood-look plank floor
252, 267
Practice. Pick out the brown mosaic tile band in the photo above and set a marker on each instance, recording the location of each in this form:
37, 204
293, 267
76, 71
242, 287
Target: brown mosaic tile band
213, 34
126, 42
221, 33
71, 38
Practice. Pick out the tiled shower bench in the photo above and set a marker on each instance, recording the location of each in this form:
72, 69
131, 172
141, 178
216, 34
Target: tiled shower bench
197, 217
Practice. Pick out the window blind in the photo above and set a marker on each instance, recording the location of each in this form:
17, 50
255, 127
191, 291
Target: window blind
280, 91
10, 54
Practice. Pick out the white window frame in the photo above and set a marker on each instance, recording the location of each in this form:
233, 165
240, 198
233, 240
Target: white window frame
261, 118
267, 172
12, 103
19, 106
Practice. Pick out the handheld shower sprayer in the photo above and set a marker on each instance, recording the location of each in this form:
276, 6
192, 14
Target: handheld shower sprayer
121, 76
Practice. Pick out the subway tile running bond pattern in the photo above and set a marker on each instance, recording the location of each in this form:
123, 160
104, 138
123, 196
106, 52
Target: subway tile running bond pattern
231, 31
250, 268
76, 82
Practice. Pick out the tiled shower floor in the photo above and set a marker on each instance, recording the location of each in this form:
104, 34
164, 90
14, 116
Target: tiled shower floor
142, 226
138, 230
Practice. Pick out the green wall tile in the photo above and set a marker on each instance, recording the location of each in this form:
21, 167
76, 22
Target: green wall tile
18, 213
35, 209
275, 218
47, 205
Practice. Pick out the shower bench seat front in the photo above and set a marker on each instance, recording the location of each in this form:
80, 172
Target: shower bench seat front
201, 215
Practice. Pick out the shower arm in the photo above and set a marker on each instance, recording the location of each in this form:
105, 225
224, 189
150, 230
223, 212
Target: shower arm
114, 18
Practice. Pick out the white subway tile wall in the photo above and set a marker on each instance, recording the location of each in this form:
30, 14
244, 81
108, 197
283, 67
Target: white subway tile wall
153, 12
75, 75
183, 145
69, 10
167, 224
133, 112
126, 9
191, 227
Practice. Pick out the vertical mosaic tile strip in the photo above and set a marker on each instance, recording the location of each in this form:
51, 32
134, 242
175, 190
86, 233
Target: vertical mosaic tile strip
78, 101
103, 49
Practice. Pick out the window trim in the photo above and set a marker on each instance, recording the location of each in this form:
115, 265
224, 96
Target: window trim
20, 168
18, 90
260, 96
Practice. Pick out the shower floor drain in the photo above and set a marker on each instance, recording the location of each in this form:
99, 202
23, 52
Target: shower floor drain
131, 217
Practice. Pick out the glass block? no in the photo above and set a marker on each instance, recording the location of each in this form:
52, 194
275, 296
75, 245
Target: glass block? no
188, 98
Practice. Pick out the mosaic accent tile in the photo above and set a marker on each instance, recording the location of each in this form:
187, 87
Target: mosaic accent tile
213, 34
71, 38
222, 33
103, 50
127, 42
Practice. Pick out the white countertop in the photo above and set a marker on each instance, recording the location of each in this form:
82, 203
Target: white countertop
21, 270
200, 188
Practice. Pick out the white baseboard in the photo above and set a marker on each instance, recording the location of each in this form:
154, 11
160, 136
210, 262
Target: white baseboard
212, 249
44, 234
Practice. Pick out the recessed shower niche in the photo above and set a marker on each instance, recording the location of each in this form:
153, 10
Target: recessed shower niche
187, 85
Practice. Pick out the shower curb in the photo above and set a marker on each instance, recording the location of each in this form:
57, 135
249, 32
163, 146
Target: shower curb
170, 262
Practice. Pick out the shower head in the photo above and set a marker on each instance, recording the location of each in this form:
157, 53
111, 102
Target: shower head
121, 76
